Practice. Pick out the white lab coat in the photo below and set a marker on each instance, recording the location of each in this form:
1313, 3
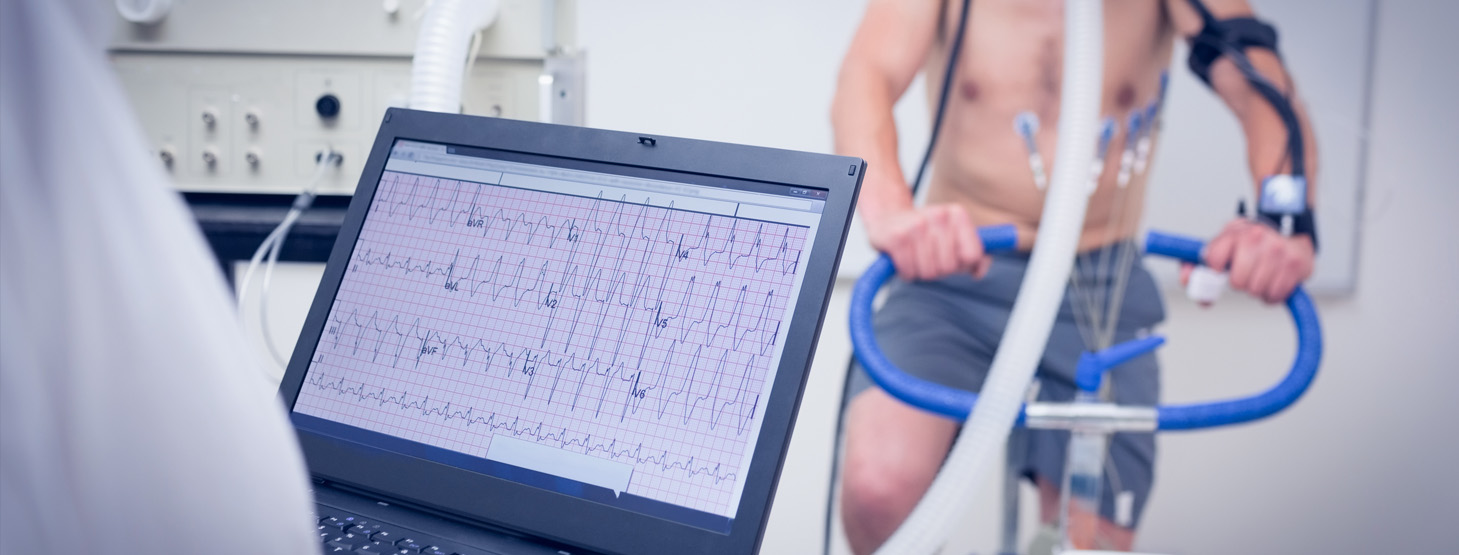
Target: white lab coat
134, 418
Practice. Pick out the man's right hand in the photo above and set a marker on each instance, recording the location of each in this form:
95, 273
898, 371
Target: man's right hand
929, 242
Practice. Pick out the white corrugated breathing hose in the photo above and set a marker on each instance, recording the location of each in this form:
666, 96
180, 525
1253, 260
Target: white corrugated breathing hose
1027, 334
444, 38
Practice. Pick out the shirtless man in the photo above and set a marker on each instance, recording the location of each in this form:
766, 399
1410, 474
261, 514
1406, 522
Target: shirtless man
943, 320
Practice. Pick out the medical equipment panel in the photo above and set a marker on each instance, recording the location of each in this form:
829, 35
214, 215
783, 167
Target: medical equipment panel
241, 97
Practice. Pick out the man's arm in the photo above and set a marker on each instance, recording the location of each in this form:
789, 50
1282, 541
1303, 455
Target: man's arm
890, 47
1261, 261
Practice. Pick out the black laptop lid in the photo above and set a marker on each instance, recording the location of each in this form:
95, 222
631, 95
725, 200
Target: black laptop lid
593, 337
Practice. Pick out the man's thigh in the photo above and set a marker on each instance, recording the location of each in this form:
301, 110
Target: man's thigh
935, 331
893, 453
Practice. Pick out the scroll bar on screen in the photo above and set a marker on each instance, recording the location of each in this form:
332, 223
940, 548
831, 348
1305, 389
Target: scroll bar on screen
557, 462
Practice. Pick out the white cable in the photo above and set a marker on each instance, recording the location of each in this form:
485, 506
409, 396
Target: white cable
271, 246
953, 491
1125, 260
268, 276
319, 168
1083, 262
1118, 288
253, 265
1109, 254
1082, 309
471, 54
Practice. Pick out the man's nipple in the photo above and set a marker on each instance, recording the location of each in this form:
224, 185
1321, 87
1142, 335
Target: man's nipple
969, 89
1125, 98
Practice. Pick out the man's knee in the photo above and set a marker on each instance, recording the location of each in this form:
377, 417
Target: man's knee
878, 492
893, 453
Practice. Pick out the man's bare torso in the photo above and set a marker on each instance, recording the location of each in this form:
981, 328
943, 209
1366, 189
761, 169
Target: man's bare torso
1011, 62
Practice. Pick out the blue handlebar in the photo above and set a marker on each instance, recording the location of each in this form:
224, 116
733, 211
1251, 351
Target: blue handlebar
1266, 403
1179, 247
946, 401
957, 404
997, 238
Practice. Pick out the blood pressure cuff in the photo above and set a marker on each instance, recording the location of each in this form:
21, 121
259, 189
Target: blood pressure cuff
1217, 35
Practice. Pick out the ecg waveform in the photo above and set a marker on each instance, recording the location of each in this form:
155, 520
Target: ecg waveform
498, 423
393, 341
399, 199
628, 331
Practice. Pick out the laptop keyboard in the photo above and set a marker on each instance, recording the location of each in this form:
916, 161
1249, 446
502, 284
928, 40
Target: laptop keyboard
343, 532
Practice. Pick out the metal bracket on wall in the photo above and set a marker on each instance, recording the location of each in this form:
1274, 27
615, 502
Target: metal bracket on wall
562, 88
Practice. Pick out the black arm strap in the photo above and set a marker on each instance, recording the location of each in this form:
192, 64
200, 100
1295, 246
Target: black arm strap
1219, 36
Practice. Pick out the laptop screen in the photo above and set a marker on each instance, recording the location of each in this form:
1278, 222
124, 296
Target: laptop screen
588, 330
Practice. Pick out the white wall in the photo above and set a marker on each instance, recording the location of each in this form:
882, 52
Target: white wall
1360, 466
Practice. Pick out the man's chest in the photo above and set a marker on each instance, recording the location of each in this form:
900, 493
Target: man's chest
1014, 48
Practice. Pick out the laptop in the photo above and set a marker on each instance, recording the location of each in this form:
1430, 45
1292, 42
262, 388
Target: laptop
534, 338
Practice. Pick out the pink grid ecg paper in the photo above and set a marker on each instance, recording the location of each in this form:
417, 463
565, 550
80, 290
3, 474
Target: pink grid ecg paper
627, 332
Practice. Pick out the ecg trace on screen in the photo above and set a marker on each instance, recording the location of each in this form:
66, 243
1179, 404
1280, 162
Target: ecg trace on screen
629, 332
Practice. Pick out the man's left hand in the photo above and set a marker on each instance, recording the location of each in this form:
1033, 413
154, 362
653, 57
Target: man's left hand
1260, 260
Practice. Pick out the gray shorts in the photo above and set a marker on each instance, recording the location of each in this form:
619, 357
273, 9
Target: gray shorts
946, 331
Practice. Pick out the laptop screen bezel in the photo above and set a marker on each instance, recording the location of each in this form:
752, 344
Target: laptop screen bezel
538, 512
